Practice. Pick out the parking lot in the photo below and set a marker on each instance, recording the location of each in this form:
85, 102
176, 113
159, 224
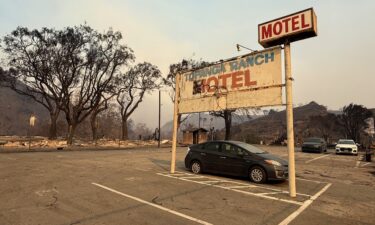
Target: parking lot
135, 187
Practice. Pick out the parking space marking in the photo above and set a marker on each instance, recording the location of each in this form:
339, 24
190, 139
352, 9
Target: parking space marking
308, 161
212, 179
154, 205
365, 164
270, 193
215, 182
306, 204
315, 181
242, 186
192, 177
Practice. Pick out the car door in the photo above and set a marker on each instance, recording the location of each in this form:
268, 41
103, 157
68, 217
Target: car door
232, 159
211, 156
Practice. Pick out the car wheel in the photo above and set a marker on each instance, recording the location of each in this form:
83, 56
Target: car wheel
258, 174
196, 167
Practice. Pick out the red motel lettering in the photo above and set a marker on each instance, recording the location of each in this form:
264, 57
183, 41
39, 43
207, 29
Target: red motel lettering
238, 79
296, 23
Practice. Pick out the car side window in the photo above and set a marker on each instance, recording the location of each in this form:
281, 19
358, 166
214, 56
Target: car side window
212, 147
233, 150
241, 151
229, 149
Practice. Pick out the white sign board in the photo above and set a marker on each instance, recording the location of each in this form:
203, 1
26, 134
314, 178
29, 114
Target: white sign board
251, 80
289, 28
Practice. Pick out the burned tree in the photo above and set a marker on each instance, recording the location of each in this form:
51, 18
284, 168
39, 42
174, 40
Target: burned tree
353, 120
227, 116
325, 125
65, 69
132, 86
92, 61
99, 108
34, 59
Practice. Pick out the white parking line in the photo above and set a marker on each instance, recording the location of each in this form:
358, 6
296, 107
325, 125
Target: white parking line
152, 204
365, 164
308, 161
242, 186
315, 181
306, 204
208, 181
213, 179
236, 190
192, 177
271, 193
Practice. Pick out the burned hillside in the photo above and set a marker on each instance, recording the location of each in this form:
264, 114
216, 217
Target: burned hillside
309, 120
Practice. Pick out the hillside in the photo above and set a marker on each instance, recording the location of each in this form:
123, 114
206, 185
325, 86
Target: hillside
15, 111
272, 128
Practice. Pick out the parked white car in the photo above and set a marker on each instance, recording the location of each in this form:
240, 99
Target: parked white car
346, 146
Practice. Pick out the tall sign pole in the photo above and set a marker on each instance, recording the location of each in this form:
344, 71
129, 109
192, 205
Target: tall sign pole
284, 30
289, 119
175, 123
159, 119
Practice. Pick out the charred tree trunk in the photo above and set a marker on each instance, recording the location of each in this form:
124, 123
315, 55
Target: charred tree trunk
228, 124
72, 129
124, 129
53, 127
94, 126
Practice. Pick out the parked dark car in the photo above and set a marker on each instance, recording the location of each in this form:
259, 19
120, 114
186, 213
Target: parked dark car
236, 158
314, 145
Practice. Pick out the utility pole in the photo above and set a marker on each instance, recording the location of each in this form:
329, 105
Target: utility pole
159, 119
289, 119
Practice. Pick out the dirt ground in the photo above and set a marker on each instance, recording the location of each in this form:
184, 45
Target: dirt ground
134, 186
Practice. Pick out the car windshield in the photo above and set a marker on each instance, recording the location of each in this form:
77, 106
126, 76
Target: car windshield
346, 142
314, 140
250, 148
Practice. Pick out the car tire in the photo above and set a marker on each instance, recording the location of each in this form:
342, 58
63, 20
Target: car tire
196, 167
257, 175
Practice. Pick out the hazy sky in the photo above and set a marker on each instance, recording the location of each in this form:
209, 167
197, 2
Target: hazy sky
333, 69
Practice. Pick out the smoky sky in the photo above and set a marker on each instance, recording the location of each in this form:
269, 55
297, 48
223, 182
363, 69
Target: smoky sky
333, 69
